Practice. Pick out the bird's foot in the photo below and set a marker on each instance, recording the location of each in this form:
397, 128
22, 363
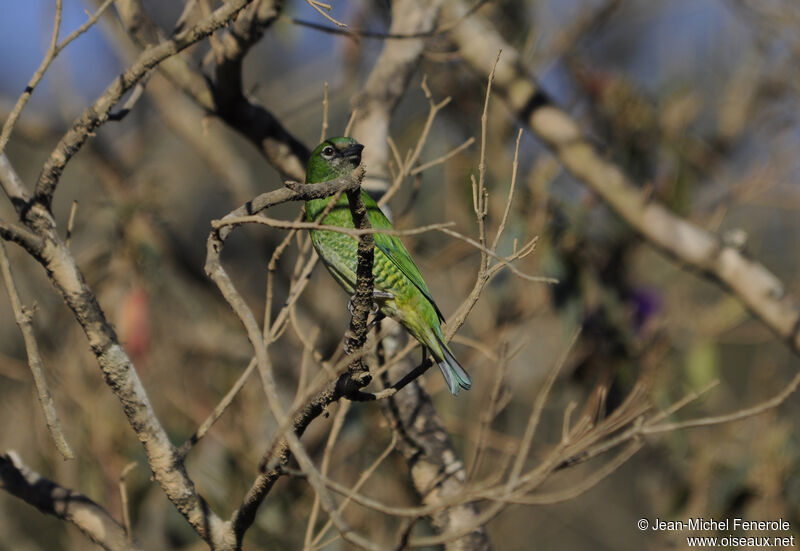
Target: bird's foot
376, 318
376, 295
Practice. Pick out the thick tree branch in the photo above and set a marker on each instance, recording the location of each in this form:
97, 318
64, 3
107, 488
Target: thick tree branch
50, 498
13, 186
356, 336
120, 374
21, 236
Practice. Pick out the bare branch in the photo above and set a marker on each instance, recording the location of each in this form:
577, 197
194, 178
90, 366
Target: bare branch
50, 498
123, 497
23, 317
218, 410
21, 236
294, 225
323, 9
12, 184
360, 33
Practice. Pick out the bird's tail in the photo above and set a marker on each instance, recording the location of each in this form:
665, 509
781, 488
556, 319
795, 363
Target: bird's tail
454, 374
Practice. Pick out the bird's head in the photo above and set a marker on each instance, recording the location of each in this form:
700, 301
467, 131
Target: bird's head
333, 158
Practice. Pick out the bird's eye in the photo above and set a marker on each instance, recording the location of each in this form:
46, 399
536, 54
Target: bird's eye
328, 152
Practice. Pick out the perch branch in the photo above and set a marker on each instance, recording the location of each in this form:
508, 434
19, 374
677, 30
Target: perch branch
348, 385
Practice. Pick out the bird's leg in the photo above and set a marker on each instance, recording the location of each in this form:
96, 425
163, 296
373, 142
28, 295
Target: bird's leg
375, 320
376, 308
416, 372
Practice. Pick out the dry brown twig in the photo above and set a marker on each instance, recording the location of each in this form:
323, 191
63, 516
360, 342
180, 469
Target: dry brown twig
24, 319
123, 497
338, 423
86, 515
323, 8
408, 167
580, 442
357, 34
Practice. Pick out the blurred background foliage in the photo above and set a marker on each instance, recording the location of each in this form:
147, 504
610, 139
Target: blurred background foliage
697, 100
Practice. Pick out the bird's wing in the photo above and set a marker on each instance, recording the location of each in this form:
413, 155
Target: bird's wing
394, 249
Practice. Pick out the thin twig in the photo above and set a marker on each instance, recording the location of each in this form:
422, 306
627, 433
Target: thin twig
217, 412
480, 195
503, 261
338, 423
355, 233
324, 130
323, 9
51, 53
350, 122
123, 496
97, 113
514, 167
365, 475
356, 34
23, 317
766, 405
405, 168
536, 413
444, 158
489, 413
73, 210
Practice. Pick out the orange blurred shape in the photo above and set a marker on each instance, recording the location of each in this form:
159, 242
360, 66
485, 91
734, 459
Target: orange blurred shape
134, 326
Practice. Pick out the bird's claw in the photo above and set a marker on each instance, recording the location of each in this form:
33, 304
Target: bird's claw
377, 318
376, 295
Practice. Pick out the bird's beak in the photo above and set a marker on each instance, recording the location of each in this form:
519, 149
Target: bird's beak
352, 152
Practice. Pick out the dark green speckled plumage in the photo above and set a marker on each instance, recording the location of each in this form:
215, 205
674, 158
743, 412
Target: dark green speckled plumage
401, 292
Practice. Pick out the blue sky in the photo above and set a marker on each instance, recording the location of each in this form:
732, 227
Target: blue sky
681, 36
87, 65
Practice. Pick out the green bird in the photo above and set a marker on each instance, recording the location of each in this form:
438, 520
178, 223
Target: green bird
400, 292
